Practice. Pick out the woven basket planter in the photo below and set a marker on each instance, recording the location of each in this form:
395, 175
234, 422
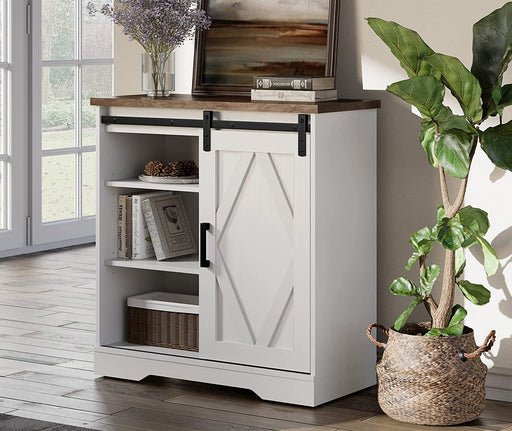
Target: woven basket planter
431, 380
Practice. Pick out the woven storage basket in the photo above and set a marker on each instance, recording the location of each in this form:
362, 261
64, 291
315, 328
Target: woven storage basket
155, 321
431, 380
163, 329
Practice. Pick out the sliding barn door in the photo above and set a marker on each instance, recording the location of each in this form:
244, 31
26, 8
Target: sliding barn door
255, 295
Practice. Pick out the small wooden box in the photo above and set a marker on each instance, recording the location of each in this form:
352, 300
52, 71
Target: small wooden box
165, 320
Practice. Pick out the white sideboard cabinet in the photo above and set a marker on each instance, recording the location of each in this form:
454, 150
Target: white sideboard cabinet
285, 219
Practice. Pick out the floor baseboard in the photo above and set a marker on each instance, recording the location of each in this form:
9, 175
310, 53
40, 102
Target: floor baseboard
29, 249
499, 384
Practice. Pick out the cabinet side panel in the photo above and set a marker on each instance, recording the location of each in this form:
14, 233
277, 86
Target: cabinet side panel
343, 251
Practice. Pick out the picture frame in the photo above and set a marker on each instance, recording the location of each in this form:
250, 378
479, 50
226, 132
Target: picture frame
264, 38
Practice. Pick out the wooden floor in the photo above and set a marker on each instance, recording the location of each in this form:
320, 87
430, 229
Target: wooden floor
47, 317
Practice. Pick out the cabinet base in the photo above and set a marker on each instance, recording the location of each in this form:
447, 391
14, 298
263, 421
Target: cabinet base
271, 385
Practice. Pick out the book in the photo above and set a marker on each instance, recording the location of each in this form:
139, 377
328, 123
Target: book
120, 246
293, 82
122, 223
168, 226
142, 248
294, 95
128, 232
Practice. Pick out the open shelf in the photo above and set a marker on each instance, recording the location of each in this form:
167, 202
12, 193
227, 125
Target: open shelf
134, 183
152, 349
185, 264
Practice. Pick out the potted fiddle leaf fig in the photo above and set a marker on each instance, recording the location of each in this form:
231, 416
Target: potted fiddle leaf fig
430, 372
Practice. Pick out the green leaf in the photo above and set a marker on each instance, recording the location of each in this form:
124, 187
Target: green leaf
447, 332
491, 261
428, 278
493, 109
496, 95
425, 246
460, 262
469, 240
406, 45
441, 213
452, 151
463, 85
419, 235
450, 234
447, 121
475, 219
423, 92
403, 286
506, 97
427, 141
455, 326
422, 240
476, 293
501, 98
492, 50
469, 237
415, 256
402, 319
497, 144
458, 315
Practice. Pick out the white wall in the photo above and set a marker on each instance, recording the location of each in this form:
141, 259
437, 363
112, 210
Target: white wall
127, 65
491, 189
408, 187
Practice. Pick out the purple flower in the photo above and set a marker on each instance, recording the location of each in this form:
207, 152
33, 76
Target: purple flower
158, 25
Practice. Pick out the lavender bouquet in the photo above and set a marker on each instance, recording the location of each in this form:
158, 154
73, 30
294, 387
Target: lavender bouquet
159, 26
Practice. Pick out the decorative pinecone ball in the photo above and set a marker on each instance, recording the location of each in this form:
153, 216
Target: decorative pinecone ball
167, 171
180, 168
155, 168
183, 168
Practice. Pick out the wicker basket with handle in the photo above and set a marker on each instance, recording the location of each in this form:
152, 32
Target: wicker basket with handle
431, 380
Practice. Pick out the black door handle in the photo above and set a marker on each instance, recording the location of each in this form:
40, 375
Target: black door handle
203, 262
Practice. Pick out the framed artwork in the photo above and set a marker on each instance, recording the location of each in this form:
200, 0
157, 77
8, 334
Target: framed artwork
264, 37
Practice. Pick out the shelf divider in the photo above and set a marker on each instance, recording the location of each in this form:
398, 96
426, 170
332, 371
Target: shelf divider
185, 264
134, 183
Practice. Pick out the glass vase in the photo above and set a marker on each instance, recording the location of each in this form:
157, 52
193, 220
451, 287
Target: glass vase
158, 74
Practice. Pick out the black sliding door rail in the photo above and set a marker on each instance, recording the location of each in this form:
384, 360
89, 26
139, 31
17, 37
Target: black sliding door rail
207, 123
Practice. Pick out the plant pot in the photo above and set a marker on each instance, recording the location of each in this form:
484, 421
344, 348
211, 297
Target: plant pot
431, 380
158, 74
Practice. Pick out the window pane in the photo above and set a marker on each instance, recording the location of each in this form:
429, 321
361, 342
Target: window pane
88, 184
2, 196
58, 29
2, 26
96, 32
2, 105
96, 81
58, 188
58, 107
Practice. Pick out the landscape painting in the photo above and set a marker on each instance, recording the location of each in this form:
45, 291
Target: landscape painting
264, 37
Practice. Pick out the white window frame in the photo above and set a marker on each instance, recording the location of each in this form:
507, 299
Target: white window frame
80, 229
14, 67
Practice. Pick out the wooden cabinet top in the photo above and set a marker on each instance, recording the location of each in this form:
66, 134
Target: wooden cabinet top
234, 103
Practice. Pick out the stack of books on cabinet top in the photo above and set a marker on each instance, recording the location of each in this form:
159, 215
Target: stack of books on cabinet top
294, 88
153, 224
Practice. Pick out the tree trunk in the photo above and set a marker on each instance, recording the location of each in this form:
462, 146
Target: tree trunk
442, 315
